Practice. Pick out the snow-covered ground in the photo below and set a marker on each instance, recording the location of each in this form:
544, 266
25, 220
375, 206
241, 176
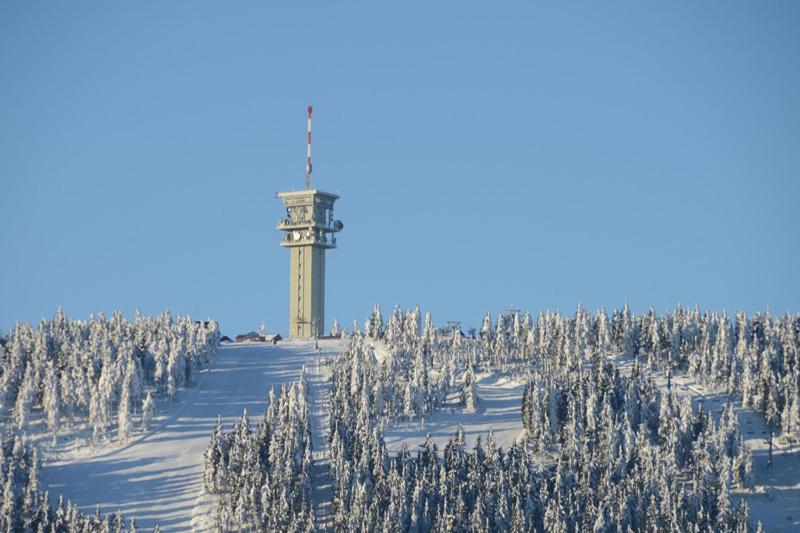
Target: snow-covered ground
157, 477
499, 410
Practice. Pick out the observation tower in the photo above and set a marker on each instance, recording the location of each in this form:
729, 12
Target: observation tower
308, 231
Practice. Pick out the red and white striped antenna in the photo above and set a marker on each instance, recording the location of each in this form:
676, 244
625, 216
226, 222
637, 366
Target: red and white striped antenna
308, 160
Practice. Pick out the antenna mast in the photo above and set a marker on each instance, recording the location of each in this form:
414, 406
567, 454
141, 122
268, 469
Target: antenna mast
308, 160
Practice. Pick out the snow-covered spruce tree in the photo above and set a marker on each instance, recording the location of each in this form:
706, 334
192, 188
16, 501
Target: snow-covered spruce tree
24, 399
50, 400
124, 418
171, 383
377, 323
212, 460
148, 411
469, 391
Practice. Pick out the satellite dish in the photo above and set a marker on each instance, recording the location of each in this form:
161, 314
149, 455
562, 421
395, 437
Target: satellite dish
338, 226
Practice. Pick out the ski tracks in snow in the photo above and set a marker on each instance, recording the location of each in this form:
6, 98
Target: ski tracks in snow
319, 382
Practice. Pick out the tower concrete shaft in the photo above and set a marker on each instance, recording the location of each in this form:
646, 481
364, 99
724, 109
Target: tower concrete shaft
309, 229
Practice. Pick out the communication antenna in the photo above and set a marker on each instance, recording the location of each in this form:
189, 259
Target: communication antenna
308, 160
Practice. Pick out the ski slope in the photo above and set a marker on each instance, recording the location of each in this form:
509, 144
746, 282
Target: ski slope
158, 477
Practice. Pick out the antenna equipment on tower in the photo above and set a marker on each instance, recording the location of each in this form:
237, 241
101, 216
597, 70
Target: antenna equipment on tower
308, 160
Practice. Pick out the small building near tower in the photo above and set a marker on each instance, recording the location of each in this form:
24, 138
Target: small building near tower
272, 337
255, 336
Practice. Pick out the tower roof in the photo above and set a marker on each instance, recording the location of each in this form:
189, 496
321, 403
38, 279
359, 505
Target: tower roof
307, 192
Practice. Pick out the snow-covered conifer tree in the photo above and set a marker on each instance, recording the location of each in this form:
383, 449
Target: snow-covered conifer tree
124, 421
148, 411
469, 391
24, 399
377, 322
50, 400
170, 383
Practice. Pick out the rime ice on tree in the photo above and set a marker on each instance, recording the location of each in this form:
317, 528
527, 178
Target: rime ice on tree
309, 229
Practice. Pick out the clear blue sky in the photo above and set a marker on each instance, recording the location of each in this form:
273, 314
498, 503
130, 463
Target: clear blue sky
487, 155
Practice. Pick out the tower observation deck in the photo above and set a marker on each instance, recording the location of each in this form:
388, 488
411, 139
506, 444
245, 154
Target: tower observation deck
309, 229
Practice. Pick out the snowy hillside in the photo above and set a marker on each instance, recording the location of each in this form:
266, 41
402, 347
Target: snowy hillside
587, 422
158, 477
608, 439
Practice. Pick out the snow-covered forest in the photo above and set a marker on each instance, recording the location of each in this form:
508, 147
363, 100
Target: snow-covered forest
262, 475
605, 445
98, 377
753, 358
607, 438
601, 450
99, 372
